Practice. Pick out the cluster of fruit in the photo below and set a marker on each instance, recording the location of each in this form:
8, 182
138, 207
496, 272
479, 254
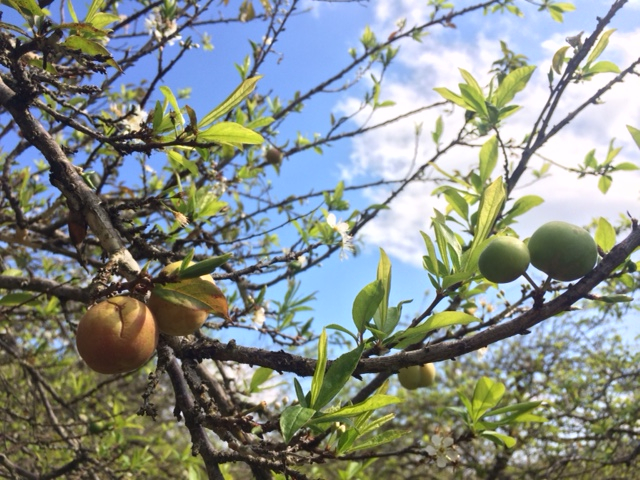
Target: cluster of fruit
417, 376
120, 334
563, 251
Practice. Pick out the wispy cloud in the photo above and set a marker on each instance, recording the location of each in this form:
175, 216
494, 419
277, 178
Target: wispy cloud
389, 153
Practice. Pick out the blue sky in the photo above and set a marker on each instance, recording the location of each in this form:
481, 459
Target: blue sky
316, 44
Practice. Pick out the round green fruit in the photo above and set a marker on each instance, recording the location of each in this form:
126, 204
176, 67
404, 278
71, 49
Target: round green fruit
504, 259
563, 251
117, 335
174, 319
417, 376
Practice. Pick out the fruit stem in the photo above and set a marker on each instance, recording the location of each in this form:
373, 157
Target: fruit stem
530, 280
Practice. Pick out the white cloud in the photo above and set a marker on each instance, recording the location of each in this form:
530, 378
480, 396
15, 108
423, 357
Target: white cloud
389, 153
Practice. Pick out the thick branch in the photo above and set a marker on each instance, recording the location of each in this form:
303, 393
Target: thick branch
282, 361
67, 179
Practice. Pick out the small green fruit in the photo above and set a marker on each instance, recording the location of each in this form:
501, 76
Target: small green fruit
504, 260
563, 251
417, 376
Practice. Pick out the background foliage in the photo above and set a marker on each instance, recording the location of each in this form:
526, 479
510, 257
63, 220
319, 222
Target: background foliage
110, 171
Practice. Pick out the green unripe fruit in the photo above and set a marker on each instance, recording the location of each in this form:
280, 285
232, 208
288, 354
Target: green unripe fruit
417, 376
504, 259
563, 251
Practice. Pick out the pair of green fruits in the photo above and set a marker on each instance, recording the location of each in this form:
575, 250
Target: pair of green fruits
120, 334
417, 376
563, 251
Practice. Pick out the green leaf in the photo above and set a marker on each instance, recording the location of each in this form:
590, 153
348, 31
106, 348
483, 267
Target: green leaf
292, 419
379, 439
204, 267
558, 59
604, 183
237, 96
384, 276
195, 293
499, 438
604, 66
321, 365
90, 47
474, 100
231, 134
13, 299
430, 260
366, 303
452, 97
472, 82
488, 158
491, 203
625, 166
635, 134
372, 403
340, 328
170, 97
434, 322
26, 8
603, 41
614, 298
457, 202
486, 395
513, 83
437, 133
605, 235
520, 206
261, 375
302, 398
337, 376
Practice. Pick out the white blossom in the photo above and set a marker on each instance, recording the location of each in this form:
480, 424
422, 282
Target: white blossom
160, 28
135, 119
342, 229
442, 449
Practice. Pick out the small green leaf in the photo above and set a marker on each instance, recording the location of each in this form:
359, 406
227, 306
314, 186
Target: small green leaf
513, 83
474, 99
604, 183
372, 403
605, 235
490, 205
171, 98
603, 41
231, 134
321, 365
452, 97
261, 375
233, 100
195, 293
337, 376
614, 298
436, 321
366, 303
340, 328
383, 275
379, 439
558, 59
486, 395
604, 66
635, 134
499, 438
13, 299
292, 419
488, 158
204, 267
